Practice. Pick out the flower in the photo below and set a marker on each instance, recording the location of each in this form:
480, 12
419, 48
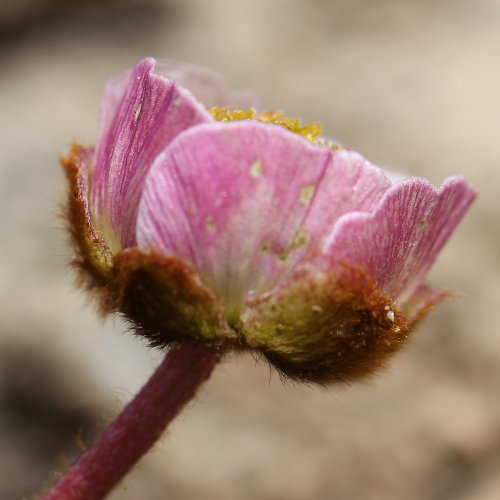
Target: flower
248, 230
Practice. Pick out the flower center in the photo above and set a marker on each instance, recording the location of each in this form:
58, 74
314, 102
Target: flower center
311, 131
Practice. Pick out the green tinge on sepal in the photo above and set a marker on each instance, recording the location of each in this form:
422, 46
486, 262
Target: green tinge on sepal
166, 301
324, 328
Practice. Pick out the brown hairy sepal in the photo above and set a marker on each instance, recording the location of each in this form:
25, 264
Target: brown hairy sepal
164, 298
326, 327
93, 257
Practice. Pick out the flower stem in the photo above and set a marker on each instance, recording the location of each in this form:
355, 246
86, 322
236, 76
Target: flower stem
139, 425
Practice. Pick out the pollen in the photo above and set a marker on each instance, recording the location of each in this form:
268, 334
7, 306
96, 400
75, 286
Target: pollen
301, 239
311, 131
257, 169
266, 248
230, 115
210, 223
306, 194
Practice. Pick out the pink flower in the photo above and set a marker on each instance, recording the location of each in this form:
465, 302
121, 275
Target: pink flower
252, 233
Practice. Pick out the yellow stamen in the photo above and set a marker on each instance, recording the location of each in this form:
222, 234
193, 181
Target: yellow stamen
311, 131
229, 115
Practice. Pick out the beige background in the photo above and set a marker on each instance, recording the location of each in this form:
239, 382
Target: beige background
413, 85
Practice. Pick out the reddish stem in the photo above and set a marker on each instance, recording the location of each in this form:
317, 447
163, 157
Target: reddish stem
139, 425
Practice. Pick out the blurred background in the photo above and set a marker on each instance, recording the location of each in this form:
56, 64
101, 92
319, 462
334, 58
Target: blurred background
412, 85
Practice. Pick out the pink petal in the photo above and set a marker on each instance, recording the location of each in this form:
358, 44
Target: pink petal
349, 183
399, 242
228, 199
151, 112
111, 100
206, 85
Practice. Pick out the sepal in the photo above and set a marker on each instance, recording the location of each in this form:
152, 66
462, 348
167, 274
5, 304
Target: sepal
166, 301
93, 256
326, 327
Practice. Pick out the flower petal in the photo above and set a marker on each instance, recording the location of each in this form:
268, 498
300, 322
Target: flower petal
151, 112
228, 198
111, 100
400, 240
206, 85
349, 183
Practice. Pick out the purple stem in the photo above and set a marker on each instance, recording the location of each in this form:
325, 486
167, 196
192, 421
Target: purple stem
140, 424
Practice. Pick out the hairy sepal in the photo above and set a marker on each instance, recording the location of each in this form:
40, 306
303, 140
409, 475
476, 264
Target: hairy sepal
93, 257
326, 327
166, 301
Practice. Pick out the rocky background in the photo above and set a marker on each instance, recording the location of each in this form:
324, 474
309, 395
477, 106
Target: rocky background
413, 85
